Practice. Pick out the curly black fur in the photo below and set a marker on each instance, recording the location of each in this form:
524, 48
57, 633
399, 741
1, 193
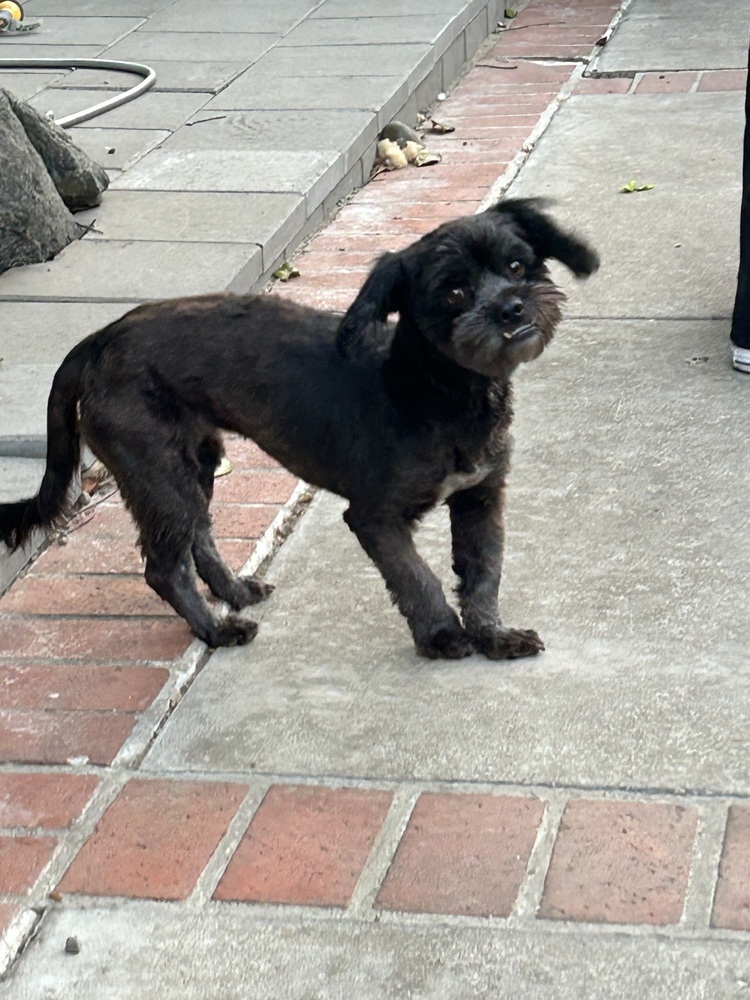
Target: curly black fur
395, 418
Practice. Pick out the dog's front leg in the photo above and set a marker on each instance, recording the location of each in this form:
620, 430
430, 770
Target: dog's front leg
414, 587
477, 530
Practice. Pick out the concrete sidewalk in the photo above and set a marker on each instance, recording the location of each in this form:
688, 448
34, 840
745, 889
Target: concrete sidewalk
322, 814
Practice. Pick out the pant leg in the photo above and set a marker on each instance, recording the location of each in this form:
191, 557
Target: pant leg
741, 316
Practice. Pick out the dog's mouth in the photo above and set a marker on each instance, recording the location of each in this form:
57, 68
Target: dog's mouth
521, 333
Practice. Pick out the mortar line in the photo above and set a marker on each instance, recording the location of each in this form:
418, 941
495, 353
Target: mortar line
529, 896
704, 870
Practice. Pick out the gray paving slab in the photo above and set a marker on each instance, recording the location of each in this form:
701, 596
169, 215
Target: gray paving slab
184, 75
95, 8
232, 952
664, 35
19, 477
313, 174
25, 84
24, 389
429, 27
134, 271
196, 46
74, 30
254, 89
353, 131
46, 331
412, 61
13, 48
395, 8
117, 148
270, 220
149, 111
621, 552
232, 18
667, 252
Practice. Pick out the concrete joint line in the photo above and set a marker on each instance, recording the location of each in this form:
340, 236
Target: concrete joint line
22, 931
383, 851
529, 897
704, 868
214, 870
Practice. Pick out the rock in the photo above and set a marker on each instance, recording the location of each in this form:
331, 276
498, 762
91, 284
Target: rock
34, 222
79, 180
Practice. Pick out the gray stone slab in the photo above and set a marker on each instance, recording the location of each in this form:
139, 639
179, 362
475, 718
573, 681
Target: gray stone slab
411, 61
24, 389
56, 31
313, 174
230, 17
46, 331
622, 551
397, 8
26, 84
134, 271
236, 953
91, 8
149, 111
117, 148
170, 75
667, 252
353, 132
432, 28
270, 220
195, 46
25, 49
674, 35
19, 478
256, 90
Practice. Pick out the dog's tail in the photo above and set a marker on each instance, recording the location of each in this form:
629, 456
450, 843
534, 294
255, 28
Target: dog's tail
19, 519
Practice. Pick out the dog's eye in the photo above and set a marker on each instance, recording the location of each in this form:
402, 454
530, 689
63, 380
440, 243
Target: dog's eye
516, 269
455, 297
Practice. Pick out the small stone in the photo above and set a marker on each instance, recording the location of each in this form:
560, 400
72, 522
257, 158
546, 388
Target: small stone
72, 947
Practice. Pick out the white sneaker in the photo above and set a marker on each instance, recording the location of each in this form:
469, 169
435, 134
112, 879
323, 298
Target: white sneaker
741, 359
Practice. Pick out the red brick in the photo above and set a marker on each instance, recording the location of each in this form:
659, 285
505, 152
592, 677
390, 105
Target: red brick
255, 487
305, 845
22, 860
235, 553
79, 687
86, 594
499, 69
311, 294
732, 899
234, 520
604, 85
155, 839
53, 801
7, 914
462, 854
92, 553
105, 640
665, 83
245, 454
35, 737
723, 79
620, 862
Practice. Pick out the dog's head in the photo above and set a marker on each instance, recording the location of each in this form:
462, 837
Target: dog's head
477, 289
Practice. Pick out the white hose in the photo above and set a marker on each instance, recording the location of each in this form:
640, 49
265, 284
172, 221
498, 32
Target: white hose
68, 121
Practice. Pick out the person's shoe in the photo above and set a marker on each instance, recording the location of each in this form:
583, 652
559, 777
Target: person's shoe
741, 359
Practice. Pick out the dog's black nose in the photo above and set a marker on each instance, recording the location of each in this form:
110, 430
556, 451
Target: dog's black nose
509, 310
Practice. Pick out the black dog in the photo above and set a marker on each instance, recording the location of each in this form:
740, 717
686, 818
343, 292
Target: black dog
395, 419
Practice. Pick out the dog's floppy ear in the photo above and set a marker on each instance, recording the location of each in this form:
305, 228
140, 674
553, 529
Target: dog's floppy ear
363, 324
547, 238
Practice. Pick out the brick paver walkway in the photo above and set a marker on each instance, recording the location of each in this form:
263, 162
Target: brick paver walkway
92, 663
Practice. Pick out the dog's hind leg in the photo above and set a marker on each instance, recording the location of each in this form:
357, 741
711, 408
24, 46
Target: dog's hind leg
237, 591
477, 532
414, 587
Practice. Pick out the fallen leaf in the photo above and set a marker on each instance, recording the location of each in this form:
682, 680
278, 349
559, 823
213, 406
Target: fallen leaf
632, 186
286, 271
425, 158
509, 12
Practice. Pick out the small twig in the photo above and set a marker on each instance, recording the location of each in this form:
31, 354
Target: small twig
215, 118
541, 24
496, 66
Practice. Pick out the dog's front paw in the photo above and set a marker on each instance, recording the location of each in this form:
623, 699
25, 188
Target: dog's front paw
448, 643
500, 643
231, 631
251, 590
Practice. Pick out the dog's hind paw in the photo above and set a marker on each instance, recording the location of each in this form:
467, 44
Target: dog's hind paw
499, 643
251, 590
446, 644
231, 631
